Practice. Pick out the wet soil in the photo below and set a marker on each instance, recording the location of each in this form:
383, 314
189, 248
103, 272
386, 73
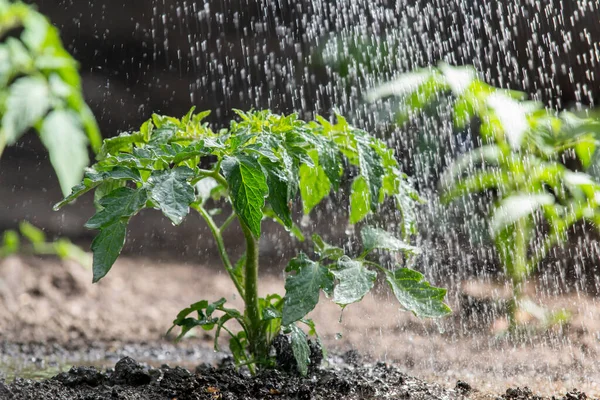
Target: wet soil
53, 318
129, 380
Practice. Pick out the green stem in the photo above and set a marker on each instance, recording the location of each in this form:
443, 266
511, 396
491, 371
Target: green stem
228, 221
221, 246
258, 344
520, 268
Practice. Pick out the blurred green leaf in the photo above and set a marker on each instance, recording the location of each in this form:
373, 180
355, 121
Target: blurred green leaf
67, 145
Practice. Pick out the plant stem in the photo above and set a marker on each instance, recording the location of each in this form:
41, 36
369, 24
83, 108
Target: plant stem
228, 221
258, 344
221, 246
520, 268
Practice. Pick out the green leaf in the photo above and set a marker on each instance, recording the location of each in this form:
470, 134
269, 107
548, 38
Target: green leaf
172, 192
517, 206
123, 142
417, 295
314, 186
300, 348
371, 169
107, 246
279, 192
375, 238
33, 234
123, 202
355, 281
66, 142
10, 243
93, 179
330, 161
28, 101
325, 250
302, 290
248, 189
359, 200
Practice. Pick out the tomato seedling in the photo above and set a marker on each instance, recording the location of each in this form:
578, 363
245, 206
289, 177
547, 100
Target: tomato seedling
259, 166
538, 198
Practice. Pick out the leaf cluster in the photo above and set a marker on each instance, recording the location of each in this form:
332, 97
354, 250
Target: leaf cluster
40, 88
260, 165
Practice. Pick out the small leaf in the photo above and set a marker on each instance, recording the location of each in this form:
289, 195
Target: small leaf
172, 192
359, 200
248, 189
325, 250
33, 234
66, 142
278, 192
120, 203
28, 101
417, 295
371, 169
300, 348
330, 161
92, 179
302, 290
314, 186
375, 238
107, 246
10, 243
355, 281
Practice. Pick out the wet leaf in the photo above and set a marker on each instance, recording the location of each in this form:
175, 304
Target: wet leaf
417, 295
325, 250
375, 238
93, 179
107, 246
120, 203
172, 192
248, 189
355, 281
279, 192
359, 200
302, 289
300, 349
314, 186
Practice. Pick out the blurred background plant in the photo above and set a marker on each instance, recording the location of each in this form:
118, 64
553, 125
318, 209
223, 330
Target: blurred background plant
537, 167
40, 90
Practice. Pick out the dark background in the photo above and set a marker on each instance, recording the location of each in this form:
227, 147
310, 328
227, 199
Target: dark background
139, 57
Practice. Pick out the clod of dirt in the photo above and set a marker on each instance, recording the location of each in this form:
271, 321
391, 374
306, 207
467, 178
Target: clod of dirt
463, 387
575, 395
129, 372
81, 376
520, 394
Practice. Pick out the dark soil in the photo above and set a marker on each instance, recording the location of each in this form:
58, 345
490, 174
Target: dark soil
129, 380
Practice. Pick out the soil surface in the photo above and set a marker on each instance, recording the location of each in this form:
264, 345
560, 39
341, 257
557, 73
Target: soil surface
129, 380
53, 318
